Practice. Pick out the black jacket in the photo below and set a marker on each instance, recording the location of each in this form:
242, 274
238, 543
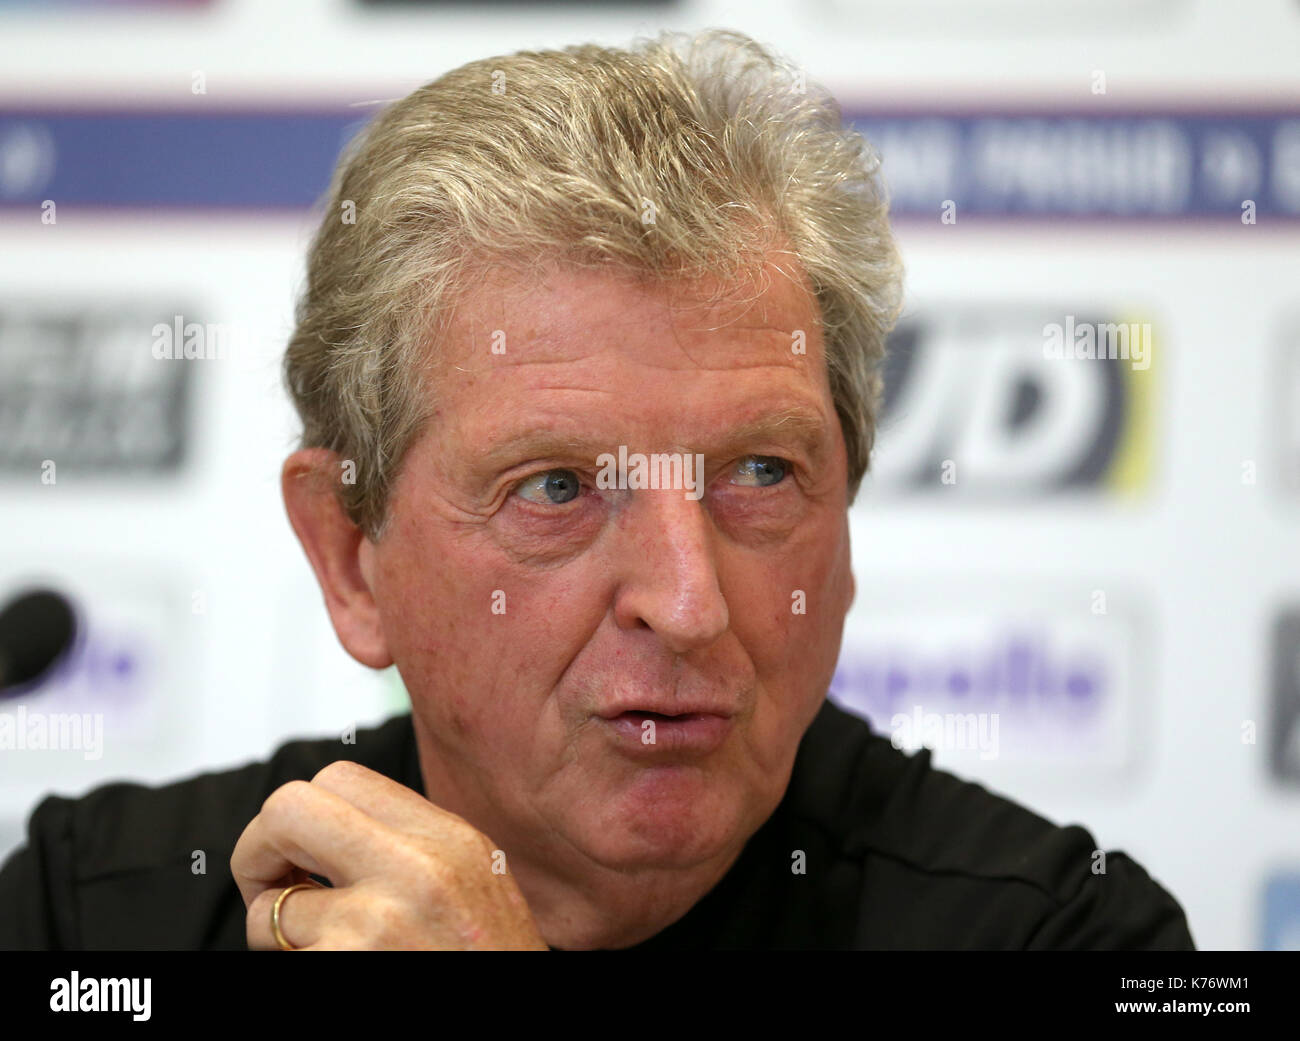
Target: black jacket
897, 855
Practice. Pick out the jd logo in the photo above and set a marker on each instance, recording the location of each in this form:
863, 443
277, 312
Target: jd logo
975, 407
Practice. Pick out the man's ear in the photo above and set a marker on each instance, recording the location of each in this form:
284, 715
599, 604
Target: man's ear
339, 552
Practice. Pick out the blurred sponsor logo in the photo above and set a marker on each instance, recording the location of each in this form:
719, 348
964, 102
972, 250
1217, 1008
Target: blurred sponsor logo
104, 6
120, 704
26, 158
1041, 683
1006, 17
942, 167
82, 387
1284, 754
977, 404
1281, 931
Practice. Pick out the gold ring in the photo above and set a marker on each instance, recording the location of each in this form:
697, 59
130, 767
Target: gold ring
285, 945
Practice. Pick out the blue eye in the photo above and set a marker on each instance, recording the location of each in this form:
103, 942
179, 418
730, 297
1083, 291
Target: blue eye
551, 487
760, 471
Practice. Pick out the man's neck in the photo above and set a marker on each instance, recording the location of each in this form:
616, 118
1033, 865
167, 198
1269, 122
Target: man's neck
618, 911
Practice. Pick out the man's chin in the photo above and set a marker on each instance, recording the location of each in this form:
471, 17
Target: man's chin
668, 817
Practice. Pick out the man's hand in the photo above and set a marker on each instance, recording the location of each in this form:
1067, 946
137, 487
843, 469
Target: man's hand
406, 874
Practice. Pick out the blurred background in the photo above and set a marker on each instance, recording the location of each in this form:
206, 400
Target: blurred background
1078, 577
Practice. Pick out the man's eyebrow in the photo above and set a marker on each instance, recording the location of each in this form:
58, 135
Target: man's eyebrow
541, 443
805, 427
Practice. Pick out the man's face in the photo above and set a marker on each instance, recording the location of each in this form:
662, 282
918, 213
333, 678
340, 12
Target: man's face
540, 621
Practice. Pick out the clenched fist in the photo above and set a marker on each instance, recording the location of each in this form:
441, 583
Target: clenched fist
406, 875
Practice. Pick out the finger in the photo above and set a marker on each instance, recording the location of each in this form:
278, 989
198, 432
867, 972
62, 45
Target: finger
383, 798
302, 917
302, 826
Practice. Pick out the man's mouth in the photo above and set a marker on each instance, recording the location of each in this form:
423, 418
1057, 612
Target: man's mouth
658, 708
645, 732
660, 717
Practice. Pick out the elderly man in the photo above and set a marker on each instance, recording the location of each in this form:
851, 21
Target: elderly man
587, 364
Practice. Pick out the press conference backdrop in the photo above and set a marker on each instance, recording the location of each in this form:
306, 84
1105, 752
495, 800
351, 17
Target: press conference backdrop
1078, 578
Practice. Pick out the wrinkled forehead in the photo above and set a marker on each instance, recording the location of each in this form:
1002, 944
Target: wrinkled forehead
553, 311
566, 357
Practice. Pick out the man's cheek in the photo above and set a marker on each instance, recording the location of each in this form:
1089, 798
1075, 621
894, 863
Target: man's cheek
459, 717
826, 583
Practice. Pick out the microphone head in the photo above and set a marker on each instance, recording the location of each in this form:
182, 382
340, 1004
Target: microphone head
37, 628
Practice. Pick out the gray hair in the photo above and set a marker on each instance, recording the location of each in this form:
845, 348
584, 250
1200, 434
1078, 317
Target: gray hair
555, 154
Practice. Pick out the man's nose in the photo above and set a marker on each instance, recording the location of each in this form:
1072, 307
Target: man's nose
667, 568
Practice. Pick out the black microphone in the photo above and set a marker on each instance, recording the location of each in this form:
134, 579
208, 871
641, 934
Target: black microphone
37, 628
